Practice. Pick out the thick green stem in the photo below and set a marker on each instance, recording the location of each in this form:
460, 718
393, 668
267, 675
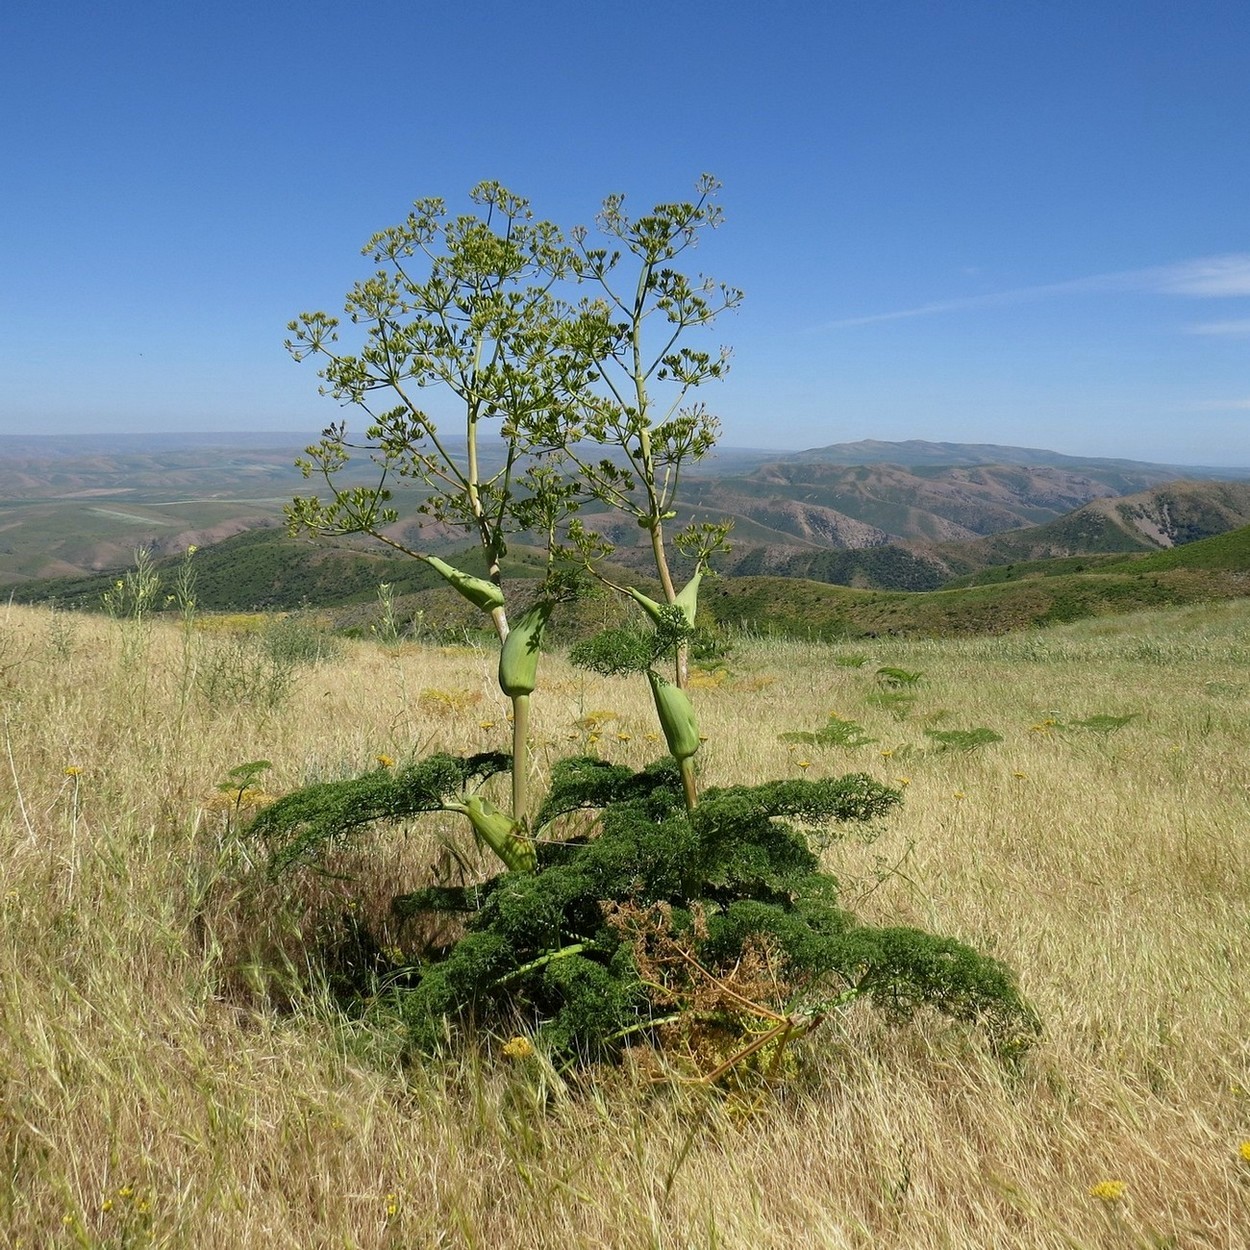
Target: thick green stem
661, 559
689, 788
520, 758
499, 618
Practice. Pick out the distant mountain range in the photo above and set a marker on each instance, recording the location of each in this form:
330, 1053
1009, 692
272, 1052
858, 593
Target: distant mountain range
917, 453
913, 516
1165, 516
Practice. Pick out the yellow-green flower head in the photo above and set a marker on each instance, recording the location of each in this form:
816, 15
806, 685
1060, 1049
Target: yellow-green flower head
1108, 1191
518, 1048
1244, 1151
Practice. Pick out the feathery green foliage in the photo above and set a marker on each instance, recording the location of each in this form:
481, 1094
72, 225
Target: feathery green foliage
836, 733
962, 739
732, 873
299, 826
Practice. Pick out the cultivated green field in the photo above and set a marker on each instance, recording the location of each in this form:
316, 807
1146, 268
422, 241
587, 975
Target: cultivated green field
173, 1074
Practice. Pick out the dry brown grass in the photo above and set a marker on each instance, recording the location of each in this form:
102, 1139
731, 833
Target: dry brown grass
149, 1098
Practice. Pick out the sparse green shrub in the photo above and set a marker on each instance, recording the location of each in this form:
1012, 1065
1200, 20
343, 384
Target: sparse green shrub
258, 669
291, 641
236, 670
241, 783
133, 595
386, 628
62, 632
962, 739
837, 733
897, 678
130, 602
851, 659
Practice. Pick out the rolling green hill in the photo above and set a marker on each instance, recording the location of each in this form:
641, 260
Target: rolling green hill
811, 609
1229, 551
268, 570
1170, 517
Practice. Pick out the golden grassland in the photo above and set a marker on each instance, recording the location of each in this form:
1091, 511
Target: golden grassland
167, 1080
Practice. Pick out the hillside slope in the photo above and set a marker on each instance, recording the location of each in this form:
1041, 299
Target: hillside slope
1161, 518
805, 609
916, 452
894, 502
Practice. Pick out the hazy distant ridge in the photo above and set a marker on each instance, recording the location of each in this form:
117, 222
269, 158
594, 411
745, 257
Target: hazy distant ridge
917, 452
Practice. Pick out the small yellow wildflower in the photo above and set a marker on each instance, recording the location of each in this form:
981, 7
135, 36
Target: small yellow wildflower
384, 761
392, 1205
1020, 775
487, 724
126, 1191
652, 737
903, 781
143, 1206
805, 763
1244, 1151
959, 794
518, 1048
885, 755
72, 770
624, 737
1108, 1191
107, 1205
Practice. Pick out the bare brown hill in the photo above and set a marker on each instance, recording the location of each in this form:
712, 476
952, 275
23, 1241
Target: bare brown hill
866, 505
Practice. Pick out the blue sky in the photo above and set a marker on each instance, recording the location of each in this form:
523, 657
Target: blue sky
1021, 222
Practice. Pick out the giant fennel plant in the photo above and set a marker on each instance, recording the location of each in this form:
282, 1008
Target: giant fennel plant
627, 904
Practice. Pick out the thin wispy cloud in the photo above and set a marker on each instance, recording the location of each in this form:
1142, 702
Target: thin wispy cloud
1227, 329
1205, 277
1213, 276
1223, 405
